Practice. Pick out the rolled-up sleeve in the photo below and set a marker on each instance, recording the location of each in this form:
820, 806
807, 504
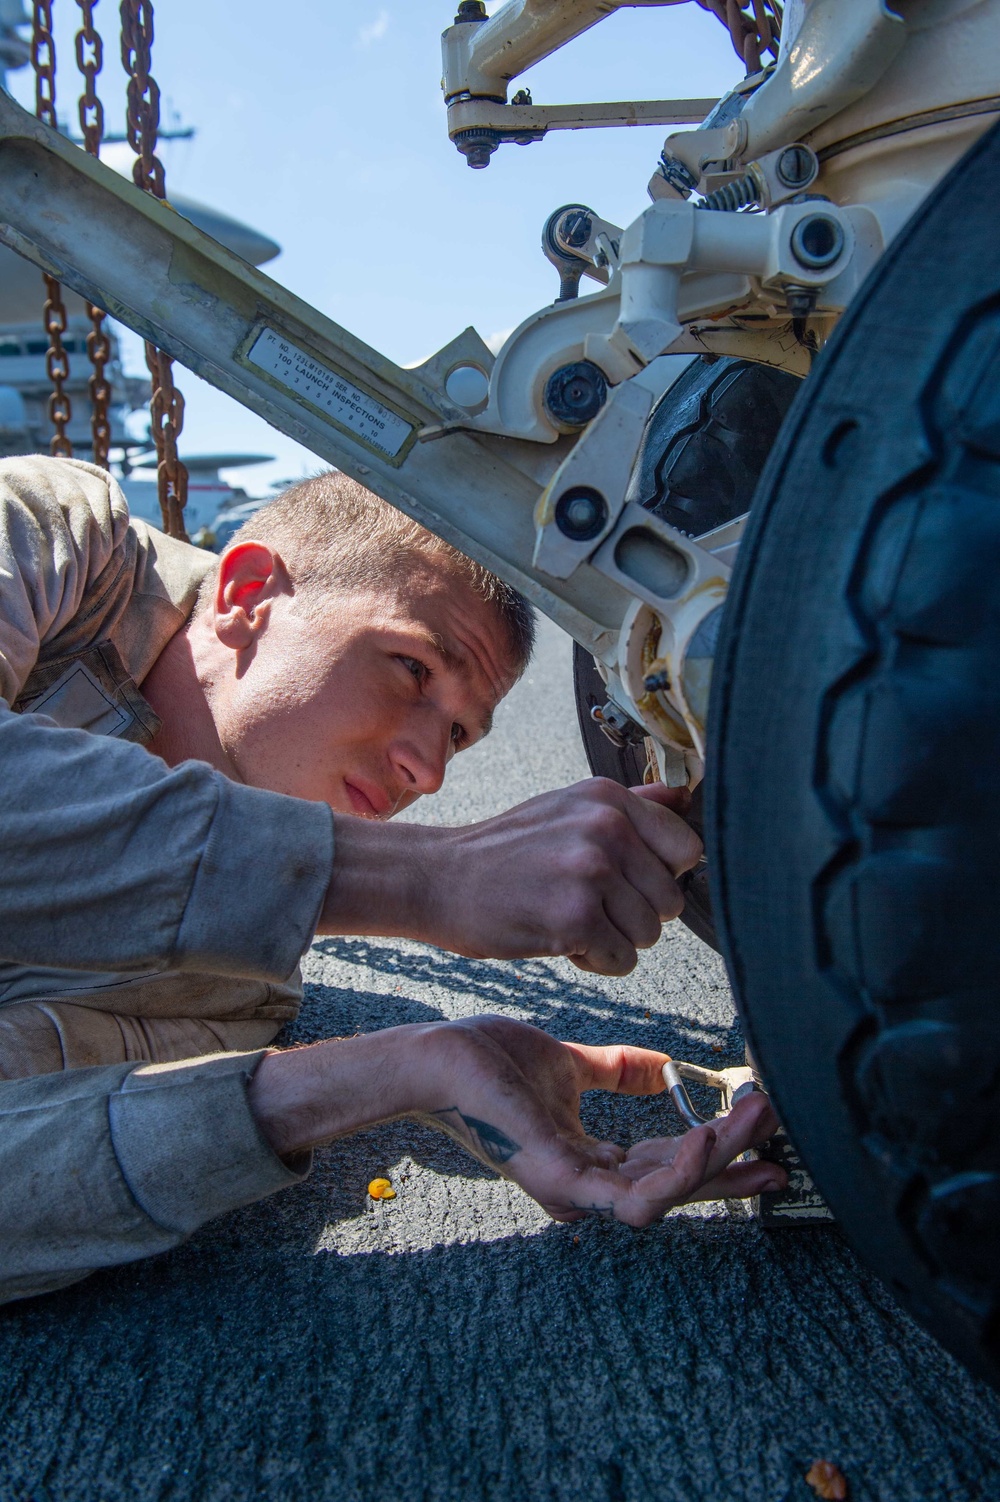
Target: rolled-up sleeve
111, 860
104, 1166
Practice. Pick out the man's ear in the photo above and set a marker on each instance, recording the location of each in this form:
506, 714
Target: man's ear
250, 576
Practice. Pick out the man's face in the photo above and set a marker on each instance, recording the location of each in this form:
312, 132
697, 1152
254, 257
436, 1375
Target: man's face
363, 705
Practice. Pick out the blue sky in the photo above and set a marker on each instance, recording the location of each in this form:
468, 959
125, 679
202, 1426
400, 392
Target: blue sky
322, 124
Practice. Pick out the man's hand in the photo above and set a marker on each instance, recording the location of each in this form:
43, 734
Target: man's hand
588, 872
527, 1086
510, 1094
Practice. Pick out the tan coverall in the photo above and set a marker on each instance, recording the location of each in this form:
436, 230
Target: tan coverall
147, 913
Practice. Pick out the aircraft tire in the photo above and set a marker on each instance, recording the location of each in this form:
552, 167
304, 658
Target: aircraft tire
853, 808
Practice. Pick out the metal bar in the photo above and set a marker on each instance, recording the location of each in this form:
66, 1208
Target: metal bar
300, 371
679, 1096
516, 120
731, 1084
482, 56
715, 1079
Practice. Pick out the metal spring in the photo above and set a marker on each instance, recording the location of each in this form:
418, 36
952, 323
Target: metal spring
732, 196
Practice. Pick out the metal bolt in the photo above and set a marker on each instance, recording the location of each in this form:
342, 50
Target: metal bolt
800, 300
574, 228
797, 166
817, 241
569, 283
477, 146
574, 394
471, 10
567, 260
581, 513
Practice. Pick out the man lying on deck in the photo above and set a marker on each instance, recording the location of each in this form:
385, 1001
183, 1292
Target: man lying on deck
199, 760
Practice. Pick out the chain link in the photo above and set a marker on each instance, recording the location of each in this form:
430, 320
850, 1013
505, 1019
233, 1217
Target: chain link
143, 95
99, 350
90, 59
43, 60
752, 35
167, 415
57, 366
167, 404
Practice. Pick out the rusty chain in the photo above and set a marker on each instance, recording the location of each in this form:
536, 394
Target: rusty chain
167, 419
89, 60
752, 35
57, 367
99, 350
43, 60
143, 122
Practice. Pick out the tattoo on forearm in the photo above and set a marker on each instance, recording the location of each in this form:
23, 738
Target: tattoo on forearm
483, 1138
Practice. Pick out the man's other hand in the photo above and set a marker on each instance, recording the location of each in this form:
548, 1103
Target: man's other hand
588, 871
518, 1109
510, 1094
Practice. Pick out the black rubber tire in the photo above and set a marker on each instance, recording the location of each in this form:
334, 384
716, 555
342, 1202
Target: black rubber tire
702, 454
854, 796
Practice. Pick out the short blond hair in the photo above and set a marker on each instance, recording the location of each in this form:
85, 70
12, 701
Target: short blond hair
334, 535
